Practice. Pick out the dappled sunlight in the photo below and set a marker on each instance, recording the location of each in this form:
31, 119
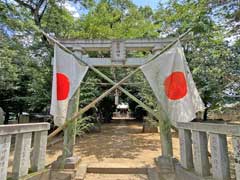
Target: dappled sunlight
118, 142
122, 141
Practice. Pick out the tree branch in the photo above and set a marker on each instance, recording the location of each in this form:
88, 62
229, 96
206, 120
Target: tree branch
25, 5
43, 11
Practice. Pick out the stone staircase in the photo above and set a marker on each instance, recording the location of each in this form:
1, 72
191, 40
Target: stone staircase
114, 171
104, 171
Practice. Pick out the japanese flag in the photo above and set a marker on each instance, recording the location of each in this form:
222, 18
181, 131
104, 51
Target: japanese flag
172, 83
67, 76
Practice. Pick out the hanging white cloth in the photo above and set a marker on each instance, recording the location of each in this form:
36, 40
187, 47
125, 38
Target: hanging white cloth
172, 83
67, 76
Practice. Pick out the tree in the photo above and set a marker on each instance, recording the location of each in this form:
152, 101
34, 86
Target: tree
212, 52
211, 58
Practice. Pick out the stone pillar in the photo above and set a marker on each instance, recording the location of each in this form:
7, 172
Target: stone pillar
166, 138
219, 156
165, 162
70, 131
21, 162
200, 149
39, 150
118, 52
186, 155
5, 142
236, 151
68, 159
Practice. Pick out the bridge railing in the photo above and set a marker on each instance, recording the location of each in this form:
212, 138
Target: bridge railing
195, 138
27, 155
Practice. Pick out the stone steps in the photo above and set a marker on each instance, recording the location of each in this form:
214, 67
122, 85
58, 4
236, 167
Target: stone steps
113, 168
114, 171
94, 176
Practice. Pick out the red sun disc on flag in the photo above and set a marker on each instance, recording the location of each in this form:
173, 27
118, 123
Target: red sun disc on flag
63, 86
175, 86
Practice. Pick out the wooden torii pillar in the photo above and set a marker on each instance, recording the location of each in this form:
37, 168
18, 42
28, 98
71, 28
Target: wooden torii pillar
118, 58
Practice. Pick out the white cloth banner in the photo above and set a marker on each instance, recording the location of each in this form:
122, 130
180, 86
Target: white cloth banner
67, 76
172, 83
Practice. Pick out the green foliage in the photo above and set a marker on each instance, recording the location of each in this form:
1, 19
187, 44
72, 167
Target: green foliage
84, 124
26, 55
59, 21
113, 20
212, 60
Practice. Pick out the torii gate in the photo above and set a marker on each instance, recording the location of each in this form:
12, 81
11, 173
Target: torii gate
118, 58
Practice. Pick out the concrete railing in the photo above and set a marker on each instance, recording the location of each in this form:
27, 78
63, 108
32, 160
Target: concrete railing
23, 149
193, 138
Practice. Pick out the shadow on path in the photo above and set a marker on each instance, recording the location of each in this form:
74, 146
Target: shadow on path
123, 139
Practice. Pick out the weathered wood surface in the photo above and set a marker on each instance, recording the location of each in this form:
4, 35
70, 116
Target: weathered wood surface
200, 150
5, 142
219, 156
236, 151
186, 155
23, 128
228, 129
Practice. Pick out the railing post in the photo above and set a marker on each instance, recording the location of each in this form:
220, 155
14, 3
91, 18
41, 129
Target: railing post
39, 150
21, 162
5, 142
236, 151
186, 154
200, 149
219, 156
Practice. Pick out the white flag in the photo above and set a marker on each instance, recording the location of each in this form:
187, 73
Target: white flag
171, 81
67, 76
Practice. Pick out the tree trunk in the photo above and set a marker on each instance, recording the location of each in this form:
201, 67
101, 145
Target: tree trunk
6, 117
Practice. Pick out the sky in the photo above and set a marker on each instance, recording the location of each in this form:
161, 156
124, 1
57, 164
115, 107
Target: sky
152, 3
